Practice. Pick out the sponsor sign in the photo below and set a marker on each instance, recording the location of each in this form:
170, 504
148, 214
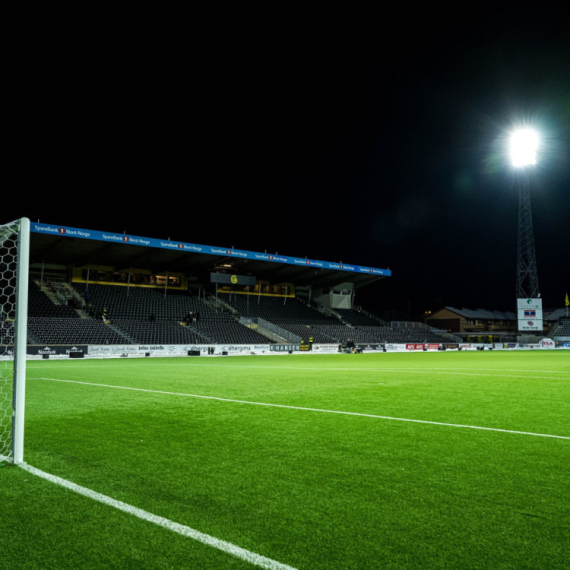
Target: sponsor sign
530, 325
283, 347
370, 347
113, 350
110, 237
55, 349
432, 346
415, 346
529, 313
325, 348
526, 304
174, 349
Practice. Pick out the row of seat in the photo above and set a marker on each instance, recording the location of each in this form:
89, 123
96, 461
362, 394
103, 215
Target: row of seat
149, 316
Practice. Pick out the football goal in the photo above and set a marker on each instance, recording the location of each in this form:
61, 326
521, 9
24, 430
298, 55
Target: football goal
14, 271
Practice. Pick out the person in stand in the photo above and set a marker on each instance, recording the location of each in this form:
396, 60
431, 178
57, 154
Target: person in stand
350, 345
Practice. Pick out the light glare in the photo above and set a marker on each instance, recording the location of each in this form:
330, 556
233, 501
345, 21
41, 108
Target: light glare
523, 147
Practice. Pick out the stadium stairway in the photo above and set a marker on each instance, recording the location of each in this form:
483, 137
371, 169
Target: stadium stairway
123, 333
272, 336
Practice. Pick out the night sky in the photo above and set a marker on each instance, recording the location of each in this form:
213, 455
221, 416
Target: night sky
381, 145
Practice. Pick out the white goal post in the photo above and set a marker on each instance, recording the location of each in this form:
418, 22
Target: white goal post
14, 277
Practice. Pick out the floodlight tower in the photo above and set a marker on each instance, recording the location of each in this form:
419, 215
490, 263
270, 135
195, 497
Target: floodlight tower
523, 147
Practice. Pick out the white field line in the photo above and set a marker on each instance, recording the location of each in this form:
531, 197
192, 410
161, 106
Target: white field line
442, 371
304, 409
222, 545
410, 370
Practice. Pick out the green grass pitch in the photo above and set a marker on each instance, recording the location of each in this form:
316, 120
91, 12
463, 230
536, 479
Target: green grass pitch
293, 482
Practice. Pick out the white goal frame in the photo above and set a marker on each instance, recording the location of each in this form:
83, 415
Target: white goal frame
16, 359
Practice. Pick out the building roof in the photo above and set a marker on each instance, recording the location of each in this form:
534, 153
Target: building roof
484, 314
553, 314
66, 246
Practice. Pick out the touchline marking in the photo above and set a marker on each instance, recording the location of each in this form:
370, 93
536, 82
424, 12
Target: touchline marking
222, 545
410, 370
304, 409
443, 371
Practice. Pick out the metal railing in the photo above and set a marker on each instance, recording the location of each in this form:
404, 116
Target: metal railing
424, 327
277, 330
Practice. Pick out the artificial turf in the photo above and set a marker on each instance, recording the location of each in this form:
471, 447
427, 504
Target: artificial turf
297, 484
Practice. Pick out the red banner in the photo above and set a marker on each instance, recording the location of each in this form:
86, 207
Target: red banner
415, 346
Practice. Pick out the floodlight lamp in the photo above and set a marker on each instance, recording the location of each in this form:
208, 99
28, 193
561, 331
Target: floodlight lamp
524, 144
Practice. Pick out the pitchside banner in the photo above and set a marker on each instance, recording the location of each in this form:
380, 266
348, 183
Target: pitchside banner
529, 313
55, 349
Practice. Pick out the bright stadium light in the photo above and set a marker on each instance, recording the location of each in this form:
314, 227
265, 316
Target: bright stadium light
523, 147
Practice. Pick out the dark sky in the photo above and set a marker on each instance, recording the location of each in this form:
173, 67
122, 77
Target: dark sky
376, 143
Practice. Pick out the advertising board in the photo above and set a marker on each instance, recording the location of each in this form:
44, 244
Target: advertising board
529, 314
55, 349
325, 348
284, 347
370, 347
395, 347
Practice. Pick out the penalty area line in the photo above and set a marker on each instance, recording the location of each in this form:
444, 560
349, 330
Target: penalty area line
186, 531
304, 409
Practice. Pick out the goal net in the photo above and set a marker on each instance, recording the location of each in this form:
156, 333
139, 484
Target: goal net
14, 268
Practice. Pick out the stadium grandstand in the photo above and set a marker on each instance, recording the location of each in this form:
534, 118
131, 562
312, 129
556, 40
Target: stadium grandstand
96, 288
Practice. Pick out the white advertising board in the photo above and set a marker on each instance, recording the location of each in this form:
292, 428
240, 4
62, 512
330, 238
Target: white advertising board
529, 314
325, 348
396, 347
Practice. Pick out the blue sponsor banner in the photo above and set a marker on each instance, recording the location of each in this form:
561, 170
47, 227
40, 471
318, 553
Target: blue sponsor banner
198, 248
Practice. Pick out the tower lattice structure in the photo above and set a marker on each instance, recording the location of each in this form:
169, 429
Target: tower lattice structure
527, 278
